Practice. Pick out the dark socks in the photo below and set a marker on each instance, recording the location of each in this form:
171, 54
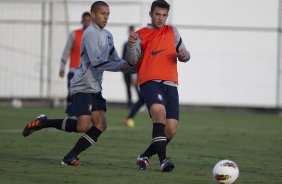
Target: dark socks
67, 124
85, 141
150, 151
159, 140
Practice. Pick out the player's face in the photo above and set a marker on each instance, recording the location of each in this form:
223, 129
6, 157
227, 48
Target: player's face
86, 21
101, 16
130, 31
158, 17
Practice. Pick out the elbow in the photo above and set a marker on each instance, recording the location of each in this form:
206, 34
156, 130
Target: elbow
188, 57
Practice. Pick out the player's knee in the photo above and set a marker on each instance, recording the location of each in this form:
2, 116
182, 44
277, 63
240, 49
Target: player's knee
81, 128
83, 124
102, 126
170, 128
170, 133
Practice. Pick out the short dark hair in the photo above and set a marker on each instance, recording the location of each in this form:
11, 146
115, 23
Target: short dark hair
131, 28
86, 14
97, 4
159, 3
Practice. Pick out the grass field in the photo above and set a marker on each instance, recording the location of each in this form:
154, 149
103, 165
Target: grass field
252, 140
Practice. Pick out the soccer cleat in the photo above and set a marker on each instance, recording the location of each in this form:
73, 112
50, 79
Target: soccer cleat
142, 162
34, 125
167, 166
71, 162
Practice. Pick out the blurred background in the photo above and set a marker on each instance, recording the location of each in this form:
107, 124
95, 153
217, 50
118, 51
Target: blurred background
235, 47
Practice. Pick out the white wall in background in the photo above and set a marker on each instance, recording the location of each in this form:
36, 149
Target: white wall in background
233, 46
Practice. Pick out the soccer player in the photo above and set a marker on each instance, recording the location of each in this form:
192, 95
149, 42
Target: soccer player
131, 79
97, 54
155, 50
72, 50
127, 76
129, 120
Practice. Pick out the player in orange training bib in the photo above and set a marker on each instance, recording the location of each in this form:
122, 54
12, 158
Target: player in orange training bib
155, 50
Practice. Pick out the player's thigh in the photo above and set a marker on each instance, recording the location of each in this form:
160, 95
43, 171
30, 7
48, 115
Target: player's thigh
98, 114
98, 102
153, 95
81, 105
83, 123
98, 119
158, 113
171, 127
81, 108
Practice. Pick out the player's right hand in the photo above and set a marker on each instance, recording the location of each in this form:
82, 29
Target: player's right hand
132, 38
62, 73
126, 68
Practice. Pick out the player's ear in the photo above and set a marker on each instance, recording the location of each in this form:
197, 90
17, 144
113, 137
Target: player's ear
92, 15
151, 14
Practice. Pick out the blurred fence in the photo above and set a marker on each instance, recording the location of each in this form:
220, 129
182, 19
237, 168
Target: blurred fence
235, 47
33, 37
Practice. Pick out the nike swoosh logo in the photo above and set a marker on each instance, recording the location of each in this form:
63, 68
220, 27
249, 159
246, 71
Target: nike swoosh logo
153, 53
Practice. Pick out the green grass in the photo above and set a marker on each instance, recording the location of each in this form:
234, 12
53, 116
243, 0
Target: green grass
252, 140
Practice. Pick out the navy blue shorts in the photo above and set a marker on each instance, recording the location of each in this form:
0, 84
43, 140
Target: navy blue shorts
86, 103
157, 92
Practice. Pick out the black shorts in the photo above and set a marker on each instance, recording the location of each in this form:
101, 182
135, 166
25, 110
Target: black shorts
157, 92
86, 103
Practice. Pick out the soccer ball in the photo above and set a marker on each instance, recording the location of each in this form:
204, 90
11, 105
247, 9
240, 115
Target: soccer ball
16, 103
225, 172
